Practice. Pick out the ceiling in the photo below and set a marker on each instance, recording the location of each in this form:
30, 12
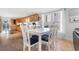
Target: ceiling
21, 12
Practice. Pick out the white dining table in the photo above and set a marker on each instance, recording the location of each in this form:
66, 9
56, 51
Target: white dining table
39, 32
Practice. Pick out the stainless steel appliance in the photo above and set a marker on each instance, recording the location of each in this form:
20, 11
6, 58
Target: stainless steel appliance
76, 39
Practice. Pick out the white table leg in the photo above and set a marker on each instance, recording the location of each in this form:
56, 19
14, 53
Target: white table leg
39, 42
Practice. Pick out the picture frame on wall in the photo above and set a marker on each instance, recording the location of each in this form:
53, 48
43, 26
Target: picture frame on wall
74, 19
71, 20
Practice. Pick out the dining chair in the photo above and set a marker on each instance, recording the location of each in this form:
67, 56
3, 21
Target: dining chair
27, 40
54, 35
46, 39
50, 38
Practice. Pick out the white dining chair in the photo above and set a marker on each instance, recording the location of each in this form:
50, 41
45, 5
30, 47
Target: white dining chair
27, 41
46, 38
54, 31
50, 38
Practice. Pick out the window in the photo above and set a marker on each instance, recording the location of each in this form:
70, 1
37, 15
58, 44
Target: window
48, 19
5, 26
57, 19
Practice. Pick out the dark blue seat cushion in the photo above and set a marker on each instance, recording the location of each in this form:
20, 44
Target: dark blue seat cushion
33, 39
45, 37
35, 36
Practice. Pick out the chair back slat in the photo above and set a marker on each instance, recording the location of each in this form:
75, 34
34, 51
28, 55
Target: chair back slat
25, 33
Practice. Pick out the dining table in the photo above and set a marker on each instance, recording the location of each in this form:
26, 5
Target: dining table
39, 32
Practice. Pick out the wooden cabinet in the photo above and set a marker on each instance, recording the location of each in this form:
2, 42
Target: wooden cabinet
19, 20
31, 18
34, 17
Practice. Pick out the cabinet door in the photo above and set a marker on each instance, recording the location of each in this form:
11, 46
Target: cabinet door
34, 18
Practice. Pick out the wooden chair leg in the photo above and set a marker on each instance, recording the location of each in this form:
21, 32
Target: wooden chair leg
49, 43
48, 46
36, 46
24, 47
29, 48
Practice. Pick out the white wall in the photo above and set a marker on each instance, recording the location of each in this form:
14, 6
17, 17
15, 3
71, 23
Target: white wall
70, 26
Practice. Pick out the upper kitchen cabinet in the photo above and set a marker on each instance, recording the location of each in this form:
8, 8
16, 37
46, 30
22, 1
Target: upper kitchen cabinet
31, 18
34, 17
